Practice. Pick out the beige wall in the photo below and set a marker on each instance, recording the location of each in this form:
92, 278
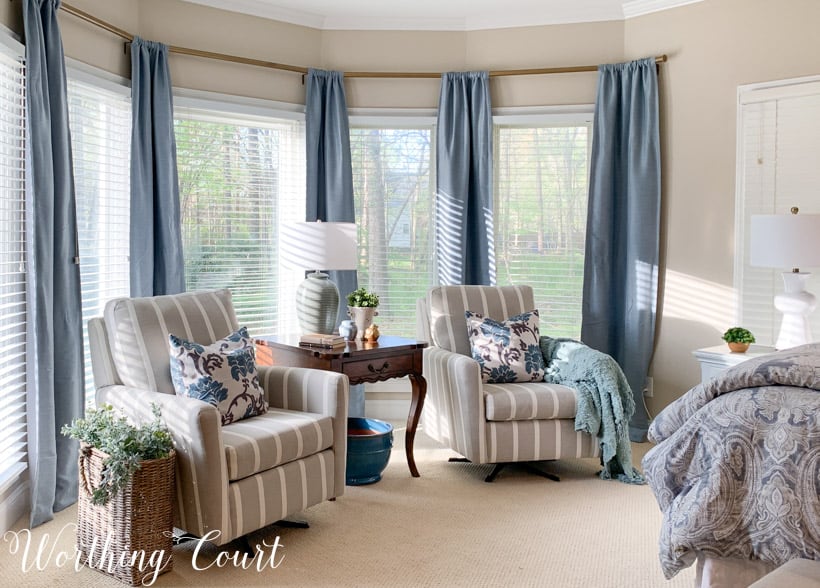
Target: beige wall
713, 46
200, 27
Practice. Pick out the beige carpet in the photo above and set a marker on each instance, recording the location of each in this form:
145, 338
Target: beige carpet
447, 528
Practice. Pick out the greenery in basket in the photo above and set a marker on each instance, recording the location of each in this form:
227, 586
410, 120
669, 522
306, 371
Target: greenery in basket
362, 297
738, 335
126, 445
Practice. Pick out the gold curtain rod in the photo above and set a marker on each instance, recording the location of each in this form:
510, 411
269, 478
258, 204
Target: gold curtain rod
128, 37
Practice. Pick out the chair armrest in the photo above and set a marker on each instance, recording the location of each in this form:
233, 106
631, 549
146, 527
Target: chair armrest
305, 389
201, 469
317, 391
455, 395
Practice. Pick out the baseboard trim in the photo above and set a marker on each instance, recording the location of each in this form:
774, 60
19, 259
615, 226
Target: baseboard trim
387, 410
14, 506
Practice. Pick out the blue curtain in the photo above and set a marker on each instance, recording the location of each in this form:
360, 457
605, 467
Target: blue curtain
157, 265
329, 171
56, 387
623, 224
464, 181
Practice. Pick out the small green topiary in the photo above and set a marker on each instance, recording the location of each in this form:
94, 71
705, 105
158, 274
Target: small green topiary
363, 298
738, 335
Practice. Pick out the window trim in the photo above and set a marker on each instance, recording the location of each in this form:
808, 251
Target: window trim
104, 81
243, 111
256, 109
88, 74
14, 482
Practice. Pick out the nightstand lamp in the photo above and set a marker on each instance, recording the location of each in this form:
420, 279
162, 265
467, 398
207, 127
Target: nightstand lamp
789, 240
318, 246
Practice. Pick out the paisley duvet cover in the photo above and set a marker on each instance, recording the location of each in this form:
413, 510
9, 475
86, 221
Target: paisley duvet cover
736, 469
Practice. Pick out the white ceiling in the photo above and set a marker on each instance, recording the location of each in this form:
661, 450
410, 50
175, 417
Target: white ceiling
440, 15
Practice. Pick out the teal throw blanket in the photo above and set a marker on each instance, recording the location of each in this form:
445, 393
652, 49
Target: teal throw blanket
605, 401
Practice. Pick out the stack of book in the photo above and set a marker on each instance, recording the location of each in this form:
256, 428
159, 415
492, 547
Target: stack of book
322, 340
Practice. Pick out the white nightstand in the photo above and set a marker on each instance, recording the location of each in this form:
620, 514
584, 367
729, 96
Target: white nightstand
714, 360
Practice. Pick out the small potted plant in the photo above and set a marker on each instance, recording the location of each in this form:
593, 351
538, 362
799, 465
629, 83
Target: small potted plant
738, 339
361, 307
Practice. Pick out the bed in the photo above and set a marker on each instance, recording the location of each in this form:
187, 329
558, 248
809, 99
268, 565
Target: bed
736, 470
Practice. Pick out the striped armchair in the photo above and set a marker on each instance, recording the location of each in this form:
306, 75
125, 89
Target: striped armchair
236, 478
490, 423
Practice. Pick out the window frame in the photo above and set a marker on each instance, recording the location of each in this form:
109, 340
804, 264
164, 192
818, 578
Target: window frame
405, 118
77, 71
243, 110
541, 116
14, 479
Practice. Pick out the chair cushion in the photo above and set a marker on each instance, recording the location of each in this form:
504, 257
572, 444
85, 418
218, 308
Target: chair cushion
138, 330
507, 351
446, 306
222, 373
277, 437
528, 402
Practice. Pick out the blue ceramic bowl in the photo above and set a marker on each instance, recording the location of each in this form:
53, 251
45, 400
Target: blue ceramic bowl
369, 442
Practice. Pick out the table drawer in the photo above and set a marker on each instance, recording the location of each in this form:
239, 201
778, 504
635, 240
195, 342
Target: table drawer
379, 368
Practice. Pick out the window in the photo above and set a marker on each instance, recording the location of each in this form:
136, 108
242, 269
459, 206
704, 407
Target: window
778, 142
241, 177
393, 185
13, 303
540, 192
540, 203
100, 119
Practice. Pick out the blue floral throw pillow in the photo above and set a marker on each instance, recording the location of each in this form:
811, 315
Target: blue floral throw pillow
507, 351
223, 374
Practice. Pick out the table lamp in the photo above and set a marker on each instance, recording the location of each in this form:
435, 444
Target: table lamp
319, 246
788, 240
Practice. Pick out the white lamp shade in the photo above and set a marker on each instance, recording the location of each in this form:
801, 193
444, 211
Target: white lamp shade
785, 240
319, 246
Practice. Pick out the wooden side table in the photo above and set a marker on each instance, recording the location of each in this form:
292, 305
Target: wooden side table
360, 361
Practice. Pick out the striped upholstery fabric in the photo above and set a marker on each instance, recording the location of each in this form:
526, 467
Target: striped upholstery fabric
490, 423
271, 439
537, 440
102, 364
138, 331
529, 401
274, 494
231, 479
446, 304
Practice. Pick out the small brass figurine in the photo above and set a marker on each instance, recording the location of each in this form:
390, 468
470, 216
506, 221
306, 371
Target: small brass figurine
371, 333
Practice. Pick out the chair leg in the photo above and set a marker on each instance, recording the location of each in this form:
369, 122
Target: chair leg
183, 537
246, 545
290, 524
500, 466
539, 472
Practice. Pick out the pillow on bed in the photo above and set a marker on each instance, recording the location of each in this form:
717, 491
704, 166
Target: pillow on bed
507, 351
222, 374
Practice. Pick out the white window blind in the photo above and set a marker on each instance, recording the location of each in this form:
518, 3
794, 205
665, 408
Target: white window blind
100, 122
13, 304
778, 143
393, 185
540, 203
241, 178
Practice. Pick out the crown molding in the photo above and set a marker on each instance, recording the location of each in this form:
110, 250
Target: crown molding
266, 10
568, 13
634, 8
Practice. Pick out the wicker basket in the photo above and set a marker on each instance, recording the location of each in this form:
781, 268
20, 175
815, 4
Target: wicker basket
131, 536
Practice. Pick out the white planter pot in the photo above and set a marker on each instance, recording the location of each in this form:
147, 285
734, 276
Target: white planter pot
362, 317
